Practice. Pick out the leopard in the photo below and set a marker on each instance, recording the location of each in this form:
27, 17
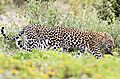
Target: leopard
35, 36
82, 40
91, 41
30, 35
38, 36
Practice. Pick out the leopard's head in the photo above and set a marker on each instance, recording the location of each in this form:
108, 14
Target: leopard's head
109, 44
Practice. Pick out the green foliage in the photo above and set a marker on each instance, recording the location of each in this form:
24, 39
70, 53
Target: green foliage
49, 14
1, 6
40, 12
19, 2
52, 65
109, 10
3, 3
9, 45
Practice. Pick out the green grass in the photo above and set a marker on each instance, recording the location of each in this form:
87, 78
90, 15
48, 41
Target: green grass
52, 65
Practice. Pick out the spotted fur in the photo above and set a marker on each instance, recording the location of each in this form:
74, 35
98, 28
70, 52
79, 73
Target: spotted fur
81, 40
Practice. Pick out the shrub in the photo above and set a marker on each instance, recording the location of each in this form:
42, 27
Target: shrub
42, 12
109, 10
2, 3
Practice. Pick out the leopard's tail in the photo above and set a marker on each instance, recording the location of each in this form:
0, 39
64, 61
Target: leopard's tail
14, 38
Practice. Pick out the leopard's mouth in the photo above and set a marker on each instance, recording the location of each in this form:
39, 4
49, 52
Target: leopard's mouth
108, 51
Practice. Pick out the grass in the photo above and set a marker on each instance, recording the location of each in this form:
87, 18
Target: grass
52, 65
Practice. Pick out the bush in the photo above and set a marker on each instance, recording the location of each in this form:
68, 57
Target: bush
42, 12
21, 2
109, 10
2, 3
